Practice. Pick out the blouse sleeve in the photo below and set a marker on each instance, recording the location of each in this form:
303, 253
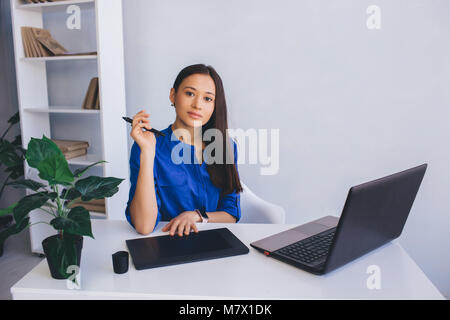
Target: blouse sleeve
135, 162
230, 203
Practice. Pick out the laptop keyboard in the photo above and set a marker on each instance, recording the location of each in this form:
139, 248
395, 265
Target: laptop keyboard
312, 250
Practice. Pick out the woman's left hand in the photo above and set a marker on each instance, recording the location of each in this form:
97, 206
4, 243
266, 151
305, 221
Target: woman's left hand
183, 223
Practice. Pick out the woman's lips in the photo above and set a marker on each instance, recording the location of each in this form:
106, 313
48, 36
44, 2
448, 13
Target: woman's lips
194, 115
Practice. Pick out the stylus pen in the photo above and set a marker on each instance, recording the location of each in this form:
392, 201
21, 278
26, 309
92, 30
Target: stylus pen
158, 133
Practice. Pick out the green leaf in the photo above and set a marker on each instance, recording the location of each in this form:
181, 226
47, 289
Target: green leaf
77, 222
13, 230
52, 196
26, 184
8, 210
28, 204
8, 155
41, 149
14, 119
16, 172
97, 187
72, 194
78, 173
17, 141
55, 170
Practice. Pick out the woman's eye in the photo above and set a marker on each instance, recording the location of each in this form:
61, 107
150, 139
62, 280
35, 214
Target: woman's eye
188, 93
208, 99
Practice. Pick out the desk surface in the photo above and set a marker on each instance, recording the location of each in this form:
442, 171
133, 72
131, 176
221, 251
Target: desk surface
251, 276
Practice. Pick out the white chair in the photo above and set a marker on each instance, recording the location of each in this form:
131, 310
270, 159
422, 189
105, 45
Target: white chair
256, 210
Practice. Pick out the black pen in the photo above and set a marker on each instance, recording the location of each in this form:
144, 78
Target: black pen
158, 133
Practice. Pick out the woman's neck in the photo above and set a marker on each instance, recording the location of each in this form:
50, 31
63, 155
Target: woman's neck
193, 138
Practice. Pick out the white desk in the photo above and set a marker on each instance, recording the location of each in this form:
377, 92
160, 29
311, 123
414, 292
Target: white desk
251, 276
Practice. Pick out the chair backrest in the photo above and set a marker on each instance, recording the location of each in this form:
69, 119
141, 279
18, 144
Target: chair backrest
256, 210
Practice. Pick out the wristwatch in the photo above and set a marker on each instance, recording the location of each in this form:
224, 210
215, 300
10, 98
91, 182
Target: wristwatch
202, 214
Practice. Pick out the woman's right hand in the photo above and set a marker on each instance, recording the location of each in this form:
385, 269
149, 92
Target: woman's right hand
145, 139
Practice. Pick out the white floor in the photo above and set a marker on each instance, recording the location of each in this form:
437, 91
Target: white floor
16, 262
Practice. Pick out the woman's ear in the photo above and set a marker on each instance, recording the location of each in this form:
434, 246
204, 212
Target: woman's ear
172, 96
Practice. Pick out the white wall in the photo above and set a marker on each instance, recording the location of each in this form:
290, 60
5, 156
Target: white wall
70, 91
351, 104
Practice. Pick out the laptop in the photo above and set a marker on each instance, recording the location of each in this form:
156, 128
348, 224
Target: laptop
374, 214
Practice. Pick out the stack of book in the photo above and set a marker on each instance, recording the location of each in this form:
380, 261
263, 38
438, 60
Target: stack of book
92, 98
72, 149
92, 206
40, 1
39, 42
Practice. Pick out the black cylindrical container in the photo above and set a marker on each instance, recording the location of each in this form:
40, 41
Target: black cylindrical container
120, 262
49, 244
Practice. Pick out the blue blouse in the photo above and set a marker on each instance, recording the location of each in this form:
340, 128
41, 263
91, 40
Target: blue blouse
181, 187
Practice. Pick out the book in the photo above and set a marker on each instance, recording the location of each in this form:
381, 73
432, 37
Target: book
71, 145
93, 53
31, 43
52, 45
97, 101
39, 1
34, 34
39, 42
99, 202
34, 47
90, 207
28, 42
26, 48
75, 154
91, 95
93, 205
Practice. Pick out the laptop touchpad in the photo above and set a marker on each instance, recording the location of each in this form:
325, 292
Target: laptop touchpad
311, 228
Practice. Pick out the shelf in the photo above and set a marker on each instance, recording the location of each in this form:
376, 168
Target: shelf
86, 160
61, 110
98, 215
33, 6
60, 58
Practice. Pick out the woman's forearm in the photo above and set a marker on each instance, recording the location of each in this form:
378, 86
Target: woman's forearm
143, 208
220, 217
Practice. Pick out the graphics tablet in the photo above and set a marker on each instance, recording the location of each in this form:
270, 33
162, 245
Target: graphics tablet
168, 250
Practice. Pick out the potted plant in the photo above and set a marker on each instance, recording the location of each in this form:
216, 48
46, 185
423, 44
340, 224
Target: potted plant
12, 157
58, 199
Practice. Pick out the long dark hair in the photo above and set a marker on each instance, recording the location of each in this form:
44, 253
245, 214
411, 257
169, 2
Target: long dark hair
225, 175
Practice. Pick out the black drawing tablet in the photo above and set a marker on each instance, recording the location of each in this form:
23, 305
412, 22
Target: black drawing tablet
166, 250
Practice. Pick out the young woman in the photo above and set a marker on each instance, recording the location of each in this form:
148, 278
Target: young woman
192, 192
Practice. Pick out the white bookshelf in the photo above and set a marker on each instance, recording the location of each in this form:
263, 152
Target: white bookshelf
66, 110
37, 6
86, 160
35, 111
64, 58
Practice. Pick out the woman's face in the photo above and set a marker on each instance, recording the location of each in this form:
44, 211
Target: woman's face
195, 100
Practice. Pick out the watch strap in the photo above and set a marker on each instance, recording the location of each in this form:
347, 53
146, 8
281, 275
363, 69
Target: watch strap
203, 215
